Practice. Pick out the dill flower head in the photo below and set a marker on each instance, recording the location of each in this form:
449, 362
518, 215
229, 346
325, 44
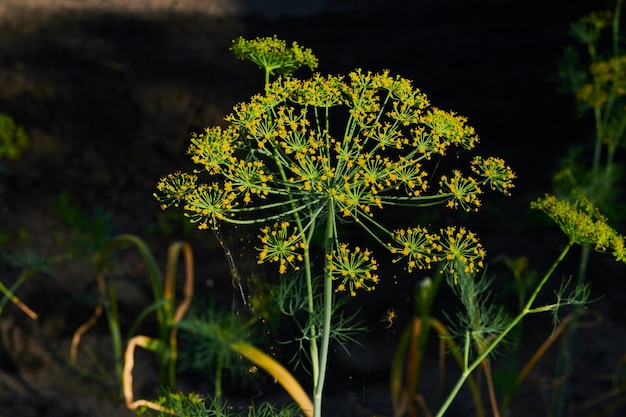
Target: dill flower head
352, 269
583, 223
495, 173
588, 28
282, 244
175, 188
608, 79
417, 245
331, 148
273, 54
460, 250
208, 204
464, 191
213, 148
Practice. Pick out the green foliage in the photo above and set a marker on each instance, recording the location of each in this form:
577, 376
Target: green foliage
13, 139
90, 230
30, 263
205, 344
482, 319
13, 142
192, 405
183, 405
164, 307
169, 224
269, 410
290, 296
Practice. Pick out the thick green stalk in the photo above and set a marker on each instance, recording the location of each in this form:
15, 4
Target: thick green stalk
328, 307
267, 77
313, 350
526, 310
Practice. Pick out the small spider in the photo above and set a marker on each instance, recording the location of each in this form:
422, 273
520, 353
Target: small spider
389, 317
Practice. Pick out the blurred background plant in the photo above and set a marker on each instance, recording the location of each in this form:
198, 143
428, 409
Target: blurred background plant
13, 138
89, 231
13, 142
595, 73
164, 306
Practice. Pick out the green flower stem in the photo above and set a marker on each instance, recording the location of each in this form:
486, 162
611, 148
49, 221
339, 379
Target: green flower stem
597, 150
315, 367
617, 13
613, 145
380, 227
9, 294
218, 381
295, 210
525, 311
317, 371
268, 70
564, 364
328, 304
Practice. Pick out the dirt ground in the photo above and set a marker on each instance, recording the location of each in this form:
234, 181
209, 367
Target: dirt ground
110, 97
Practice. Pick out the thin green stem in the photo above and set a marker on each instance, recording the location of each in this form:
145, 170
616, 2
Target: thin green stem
597, 149
295, 210
218, 381
616, 26
564, 363
365, 218
410, 201
526, 310
9, 293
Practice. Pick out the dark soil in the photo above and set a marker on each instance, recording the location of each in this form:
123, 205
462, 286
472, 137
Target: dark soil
110, 101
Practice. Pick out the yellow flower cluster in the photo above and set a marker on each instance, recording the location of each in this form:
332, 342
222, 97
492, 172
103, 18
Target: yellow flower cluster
454, 248
582, 223
460, 250
597, 20
494, 172
208, 204
282, 244
609, 77
213, 148
353, 269
589, 27
356, 144
273, 54
417, 245
464, 191
176, 188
